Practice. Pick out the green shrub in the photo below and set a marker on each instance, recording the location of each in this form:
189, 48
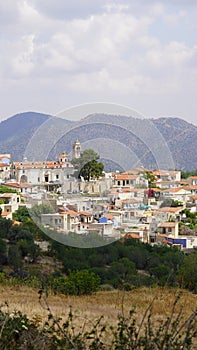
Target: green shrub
77, 283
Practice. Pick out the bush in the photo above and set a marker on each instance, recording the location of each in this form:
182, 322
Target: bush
77, 283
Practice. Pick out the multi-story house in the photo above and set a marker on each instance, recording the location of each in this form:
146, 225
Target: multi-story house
9, 203
4, 167
50, 174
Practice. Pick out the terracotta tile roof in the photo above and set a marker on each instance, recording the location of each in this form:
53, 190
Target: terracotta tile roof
17, 185
38, 165
3, 165
125, 177
192, 187
85, 213
167, 242
175, 190
165, 172
193, 177
194, 196
168, 224
109, 216
6, 213
6, 195
72, 213
127, 201
157, 189
132, 235
63, 155
170, 209
12, 184
131, 172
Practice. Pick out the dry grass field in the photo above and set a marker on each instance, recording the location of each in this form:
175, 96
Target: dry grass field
89, 308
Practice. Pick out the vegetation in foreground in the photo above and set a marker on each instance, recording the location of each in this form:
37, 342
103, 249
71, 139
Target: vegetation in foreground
175, 330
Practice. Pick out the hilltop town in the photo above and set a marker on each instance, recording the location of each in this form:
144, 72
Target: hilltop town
155, 207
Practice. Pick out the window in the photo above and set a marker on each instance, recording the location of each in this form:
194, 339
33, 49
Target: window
127, 182
38, 179
118, 183
57, 176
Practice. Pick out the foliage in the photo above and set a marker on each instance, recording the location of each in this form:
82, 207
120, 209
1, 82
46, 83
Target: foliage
21, 215
91, 170
188, 272
5, 189
87, 156
186, 174
151, 178
77, 283
173, 332
168, 202
37, 210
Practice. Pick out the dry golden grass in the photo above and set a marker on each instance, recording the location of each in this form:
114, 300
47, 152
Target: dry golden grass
90, 308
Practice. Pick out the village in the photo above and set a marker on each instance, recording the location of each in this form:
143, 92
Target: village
154, 207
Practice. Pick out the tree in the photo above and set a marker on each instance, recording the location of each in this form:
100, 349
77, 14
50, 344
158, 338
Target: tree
92, 169
188, 272
87, 156
168, 202
77, 283
151, 178
22, 215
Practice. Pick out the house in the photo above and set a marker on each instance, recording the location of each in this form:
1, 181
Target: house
9, 203
5, 160
63, 221
49, 174
192, 189
126, 180
167, 175
179, 194
184, 242
172, 213
19, 187
192, 180
169, 228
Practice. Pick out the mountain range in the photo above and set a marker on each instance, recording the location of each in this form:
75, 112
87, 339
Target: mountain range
141, 141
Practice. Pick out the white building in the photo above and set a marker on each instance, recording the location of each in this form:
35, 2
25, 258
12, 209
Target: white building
48, 173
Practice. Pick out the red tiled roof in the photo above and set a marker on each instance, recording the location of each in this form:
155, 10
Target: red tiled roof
132, 235
2, 165
174, 190
125, 177
109, 216
168, 224
85, 213
6, 213
170, 209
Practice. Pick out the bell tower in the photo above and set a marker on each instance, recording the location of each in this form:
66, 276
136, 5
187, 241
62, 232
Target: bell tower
76, 149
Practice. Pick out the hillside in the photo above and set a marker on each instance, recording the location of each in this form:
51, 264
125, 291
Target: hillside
15, 132
181, 138
179, 135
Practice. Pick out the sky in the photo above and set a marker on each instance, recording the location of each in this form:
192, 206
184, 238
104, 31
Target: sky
58, 54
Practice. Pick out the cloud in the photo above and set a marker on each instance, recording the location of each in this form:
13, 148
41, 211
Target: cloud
94, 50
65, 9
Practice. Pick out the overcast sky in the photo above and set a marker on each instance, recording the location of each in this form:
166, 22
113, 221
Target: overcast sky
59, 53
